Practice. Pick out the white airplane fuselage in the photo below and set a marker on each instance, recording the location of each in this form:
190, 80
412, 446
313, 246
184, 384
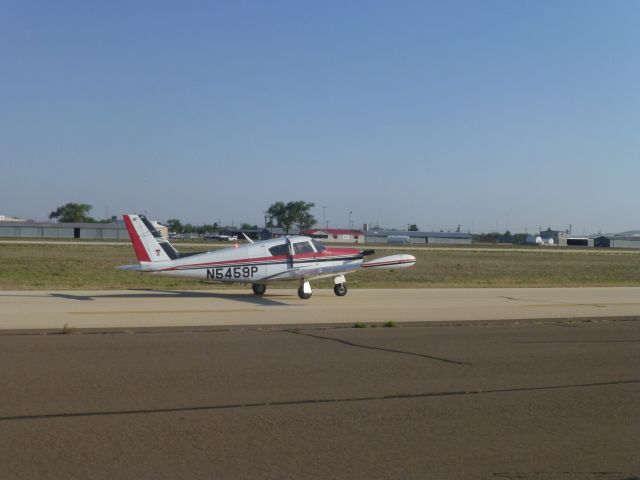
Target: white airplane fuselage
255, 263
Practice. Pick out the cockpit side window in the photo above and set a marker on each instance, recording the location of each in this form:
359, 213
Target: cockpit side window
302, 247
279, 250
319, 247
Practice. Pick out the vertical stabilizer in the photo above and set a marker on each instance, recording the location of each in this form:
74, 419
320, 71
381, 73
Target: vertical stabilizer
148, 243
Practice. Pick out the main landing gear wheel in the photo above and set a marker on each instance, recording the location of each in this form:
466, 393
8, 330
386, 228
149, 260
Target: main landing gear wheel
258, 289
302, 294
340, 289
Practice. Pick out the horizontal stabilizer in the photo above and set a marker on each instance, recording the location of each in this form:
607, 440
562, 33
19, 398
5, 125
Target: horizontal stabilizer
391, 262
135, 268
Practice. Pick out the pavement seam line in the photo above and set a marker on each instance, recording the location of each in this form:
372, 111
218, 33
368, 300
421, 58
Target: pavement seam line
311, 401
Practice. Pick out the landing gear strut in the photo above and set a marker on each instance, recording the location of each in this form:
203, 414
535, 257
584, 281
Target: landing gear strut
340, 289
258, 289
304, 292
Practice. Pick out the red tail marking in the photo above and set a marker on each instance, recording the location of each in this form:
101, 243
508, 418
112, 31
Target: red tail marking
141, 252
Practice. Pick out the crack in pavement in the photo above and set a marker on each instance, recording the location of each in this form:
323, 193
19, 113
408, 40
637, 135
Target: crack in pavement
400, 396
369, 347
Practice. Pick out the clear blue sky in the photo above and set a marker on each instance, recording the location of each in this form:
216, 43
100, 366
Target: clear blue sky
484, 114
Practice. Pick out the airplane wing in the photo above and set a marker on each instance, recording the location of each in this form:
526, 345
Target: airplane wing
313, 273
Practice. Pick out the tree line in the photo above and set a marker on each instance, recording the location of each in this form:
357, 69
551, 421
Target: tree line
280, 214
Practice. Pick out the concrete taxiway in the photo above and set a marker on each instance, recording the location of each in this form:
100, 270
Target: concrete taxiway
528, 400
151, 308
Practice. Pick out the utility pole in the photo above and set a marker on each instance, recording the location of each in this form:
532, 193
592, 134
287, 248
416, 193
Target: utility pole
324, 215
350, 212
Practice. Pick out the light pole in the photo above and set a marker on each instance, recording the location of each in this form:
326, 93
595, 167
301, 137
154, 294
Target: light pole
350, 212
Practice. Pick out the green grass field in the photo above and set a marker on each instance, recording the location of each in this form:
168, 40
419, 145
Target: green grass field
52, 266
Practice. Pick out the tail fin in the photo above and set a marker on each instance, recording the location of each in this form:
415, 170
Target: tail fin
148, 243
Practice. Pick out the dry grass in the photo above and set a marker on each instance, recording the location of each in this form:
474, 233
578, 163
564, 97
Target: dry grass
51, 266
509, 268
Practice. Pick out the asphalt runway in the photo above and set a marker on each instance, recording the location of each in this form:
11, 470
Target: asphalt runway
153, 308
531, 400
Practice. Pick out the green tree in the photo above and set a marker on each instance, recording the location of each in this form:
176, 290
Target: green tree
248, 226
302, 217
278, 212
413, 227
72, 213
174, 225
209, 228
288, 214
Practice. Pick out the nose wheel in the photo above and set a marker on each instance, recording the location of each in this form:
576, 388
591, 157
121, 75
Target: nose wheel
258, 289
340, 289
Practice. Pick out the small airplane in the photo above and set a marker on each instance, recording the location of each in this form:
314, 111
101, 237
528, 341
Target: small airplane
221, 237
260, 263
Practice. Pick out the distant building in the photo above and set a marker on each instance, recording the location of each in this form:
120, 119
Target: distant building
566, 240
336, 235
617, 241
431, 238
549, 234
90, 231
275, 232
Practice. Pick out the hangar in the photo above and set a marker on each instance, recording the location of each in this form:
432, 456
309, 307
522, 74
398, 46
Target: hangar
431, 238
89, 231
335, 234
617, 241
566, 240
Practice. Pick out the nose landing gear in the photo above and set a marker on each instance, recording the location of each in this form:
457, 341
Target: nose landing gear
340, 289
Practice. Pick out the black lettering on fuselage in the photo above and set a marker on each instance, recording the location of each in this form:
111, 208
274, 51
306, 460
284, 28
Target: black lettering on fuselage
231, 273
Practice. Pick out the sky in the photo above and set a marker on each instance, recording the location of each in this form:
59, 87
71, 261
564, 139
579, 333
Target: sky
491, 115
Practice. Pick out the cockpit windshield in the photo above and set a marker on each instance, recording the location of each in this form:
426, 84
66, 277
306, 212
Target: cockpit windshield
319, 247
302, 247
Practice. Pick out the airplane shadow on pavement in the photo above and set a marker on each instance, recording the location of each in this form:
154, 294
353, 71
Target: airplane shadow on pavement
163, 294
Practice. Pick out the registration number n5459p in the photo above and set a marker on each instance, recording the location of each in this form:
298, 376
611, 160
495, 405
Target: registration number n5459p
231, 273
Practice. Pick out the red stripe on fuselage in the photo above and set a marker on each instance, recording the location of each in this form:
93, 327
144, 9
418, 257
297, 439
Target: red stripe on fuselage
330, 252
141, 252
324, 255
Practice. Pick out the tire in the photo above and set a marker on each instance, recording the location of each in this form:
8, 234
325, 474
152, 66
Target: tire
258, 289
340, 289
302, 295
